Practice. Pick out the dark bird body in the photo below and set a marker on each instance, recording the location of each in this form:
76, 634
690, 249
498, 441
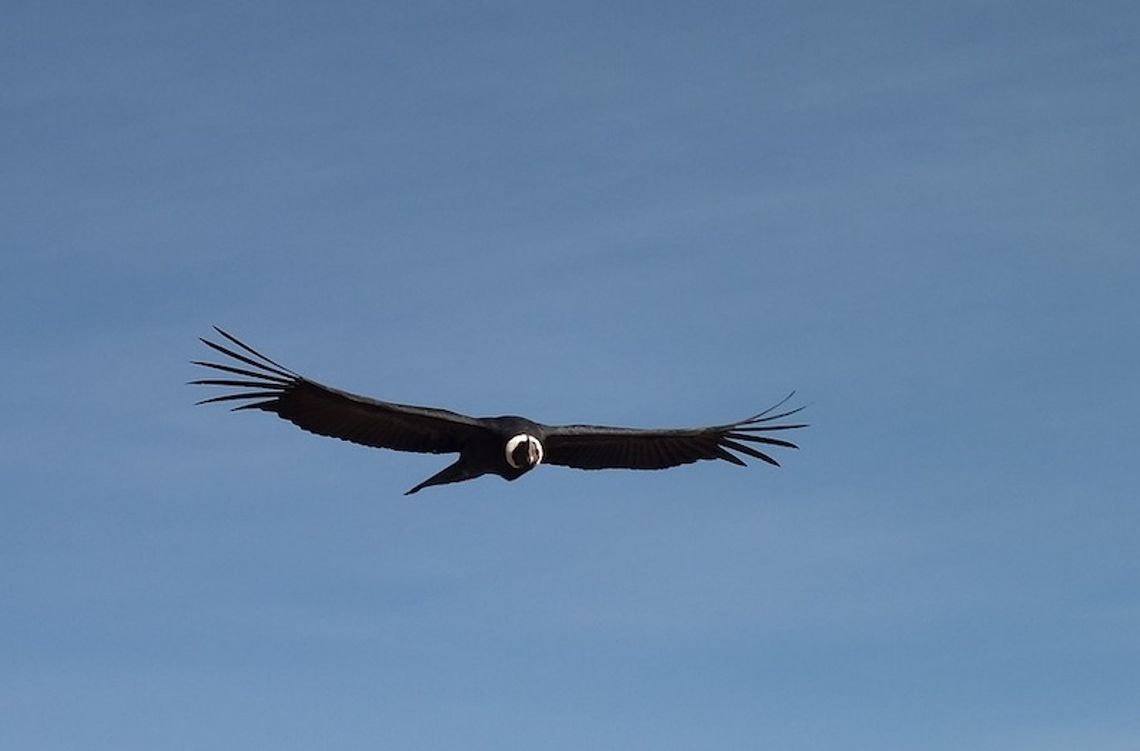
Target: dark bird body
506, 446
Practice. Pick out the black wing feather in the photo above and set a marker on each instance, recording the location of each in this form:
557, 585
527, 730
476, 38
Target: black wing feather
602, 447
331, 412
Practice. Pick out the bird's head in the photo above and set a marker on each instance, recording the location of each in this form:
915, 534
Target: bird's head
524, 451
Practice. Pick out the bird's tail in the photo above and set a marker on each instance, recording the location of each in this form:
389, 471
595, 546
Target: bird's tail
457, 472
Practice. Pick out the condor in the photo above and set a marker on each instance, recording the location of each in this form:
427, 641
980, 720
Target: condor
505, 446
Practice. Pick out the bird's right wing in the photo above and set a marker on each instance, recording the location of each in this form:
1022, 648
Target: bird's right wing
319, 409
601, 447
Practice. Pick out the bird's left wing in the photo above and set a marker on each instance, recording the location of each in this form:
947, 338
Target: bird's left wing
601, 447
311, 406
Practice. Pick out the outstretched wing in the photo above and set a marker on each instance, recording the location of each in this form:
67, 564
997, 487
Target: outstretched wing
600, 447
264, 384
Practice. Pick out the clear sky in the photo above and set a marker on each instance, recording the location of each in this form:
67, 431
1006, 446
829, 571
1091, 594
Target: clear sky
922, 216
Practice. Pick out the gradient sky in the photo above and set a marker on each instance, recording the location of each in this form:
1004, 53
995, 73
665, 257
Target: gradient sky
922, 216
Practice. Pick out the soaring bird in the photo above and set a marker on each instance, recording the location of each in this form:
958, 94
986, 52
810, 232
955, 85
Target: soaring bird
507, 446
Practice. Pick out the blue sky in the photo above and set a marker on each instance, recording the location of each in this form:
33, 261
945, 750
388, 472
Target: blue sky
922, 216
